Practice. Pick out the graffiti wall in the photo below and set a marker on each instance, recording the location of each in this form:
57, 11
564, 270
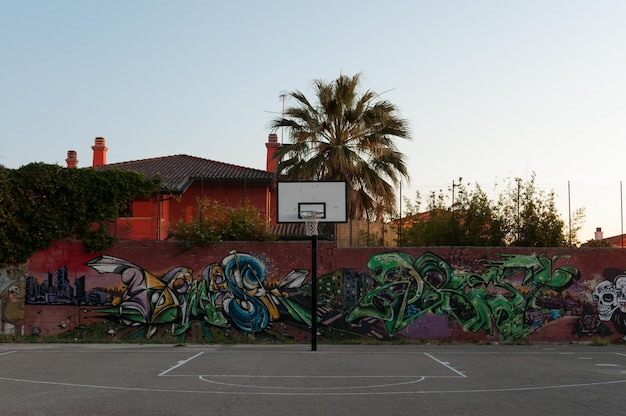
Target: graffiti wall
263, 291
12, 290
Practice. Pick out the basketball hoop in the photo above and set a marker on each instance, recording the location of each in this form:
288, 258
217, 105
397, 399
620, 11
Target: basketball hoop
311, 220
310, 202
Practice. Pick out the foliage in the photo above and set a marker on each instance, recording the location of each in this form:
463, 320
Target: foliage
348, 137
530, 217
482, 225
575, 226
597, 243
98, 239
214, 222
371, 238
42, 203
521, 215
471, 221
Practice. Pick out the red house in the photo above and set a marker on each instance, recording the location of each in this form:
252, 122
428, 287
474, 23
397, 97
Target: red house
185, 179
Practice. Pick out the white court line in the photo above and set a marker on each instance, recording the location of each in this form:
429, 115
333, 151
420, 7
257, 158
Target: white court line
182, 362
417, 380
293, 376
320, 393
8, 352
446, 364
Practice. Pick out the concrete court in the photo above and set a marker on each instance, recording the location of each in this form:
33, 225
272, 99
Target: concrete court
129, 379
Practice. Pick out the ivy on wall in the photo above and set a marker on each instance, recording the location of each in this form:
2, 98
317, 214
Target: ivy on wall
41, 203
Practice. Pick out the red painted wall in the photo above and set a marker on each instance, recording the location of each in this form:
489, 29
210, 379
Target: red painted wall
227, 193
144, 224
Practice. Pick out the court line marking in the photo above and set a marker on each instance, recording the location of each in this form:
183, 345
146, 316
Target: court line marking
415, 378
180, 363
295, 376
370, 393
418, 380
320, 393
7, 352
445, 364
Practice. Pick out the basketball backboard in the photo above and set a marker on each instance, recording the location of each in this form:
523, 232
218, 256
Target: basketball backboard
328, 198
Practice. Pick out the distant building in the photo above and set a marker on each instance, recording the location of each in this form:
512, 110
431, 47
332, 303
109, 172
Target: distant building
615, 241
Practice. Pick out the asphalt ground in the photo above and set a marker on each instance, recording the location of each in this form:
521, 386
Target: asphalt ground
364, 380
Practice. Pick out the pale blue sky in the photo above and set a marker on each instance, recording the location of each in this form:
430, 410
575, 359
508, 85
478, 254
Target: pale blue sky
491, 89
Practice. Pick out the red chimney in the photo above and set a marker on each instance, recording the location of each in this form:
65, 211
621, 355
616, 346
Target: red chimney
99, 152
272, 145
71, 160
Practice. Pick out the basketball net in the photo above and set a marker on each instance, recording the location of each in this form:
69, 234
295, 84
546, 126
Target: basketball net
311, 220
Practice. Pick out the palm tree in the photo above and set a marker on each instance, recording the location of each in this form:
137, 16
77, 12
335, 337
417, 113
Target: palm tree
347, 137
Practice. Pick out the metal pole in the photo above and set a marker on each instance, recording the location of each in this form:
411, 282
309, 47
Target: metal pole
518, 210
452, 214
400, 221
314, 292
569, 212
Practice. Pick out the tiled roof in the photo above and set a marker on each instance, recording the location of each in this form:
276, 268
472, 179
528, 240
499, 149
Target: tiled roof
409, 220
178, 171
617, 241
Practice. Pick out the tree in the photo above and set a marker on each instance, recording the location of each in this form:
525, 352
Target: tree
575, 226
471, 221
522, 216
348, 137
530, 217
479, 222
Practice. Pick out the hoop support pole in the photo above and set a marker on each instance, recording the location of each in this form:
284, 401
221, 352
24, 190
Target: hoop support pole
314, 292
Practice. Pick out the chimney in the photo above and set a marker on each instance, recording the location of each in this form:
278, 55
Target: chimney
272, 145
99, 152
71, 160
598, 234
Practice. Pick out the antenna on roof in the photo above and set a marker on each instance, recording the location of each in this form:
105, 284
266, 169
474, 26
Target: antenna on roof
282, 96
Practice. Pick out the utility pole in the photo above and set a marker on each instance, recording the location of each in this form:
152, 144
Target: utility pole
452, 214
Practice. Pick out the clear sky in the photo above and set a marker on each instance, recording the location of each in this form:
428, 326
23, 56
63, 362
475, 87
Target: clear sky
491, 89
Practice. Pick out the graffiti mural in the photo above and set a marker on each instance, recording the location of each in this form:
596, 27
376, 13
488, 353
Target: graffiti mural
230, 293
394, 294
498, 293
609, 296
56, 289
12, 295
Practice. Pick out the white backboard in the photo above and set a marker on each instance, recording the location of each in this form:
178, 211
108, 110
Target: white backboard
327, 197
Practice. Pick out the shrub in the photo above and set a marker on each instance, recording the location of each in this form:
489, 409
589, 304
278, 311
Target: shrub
214, 221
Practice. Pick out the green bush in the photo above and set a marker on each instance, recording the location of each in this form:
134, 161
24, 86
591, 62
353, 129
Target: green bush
214, 221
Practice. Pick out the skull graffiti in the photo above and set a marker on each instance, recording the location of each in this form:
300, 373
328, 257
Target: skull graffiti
605, 298
620, 290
